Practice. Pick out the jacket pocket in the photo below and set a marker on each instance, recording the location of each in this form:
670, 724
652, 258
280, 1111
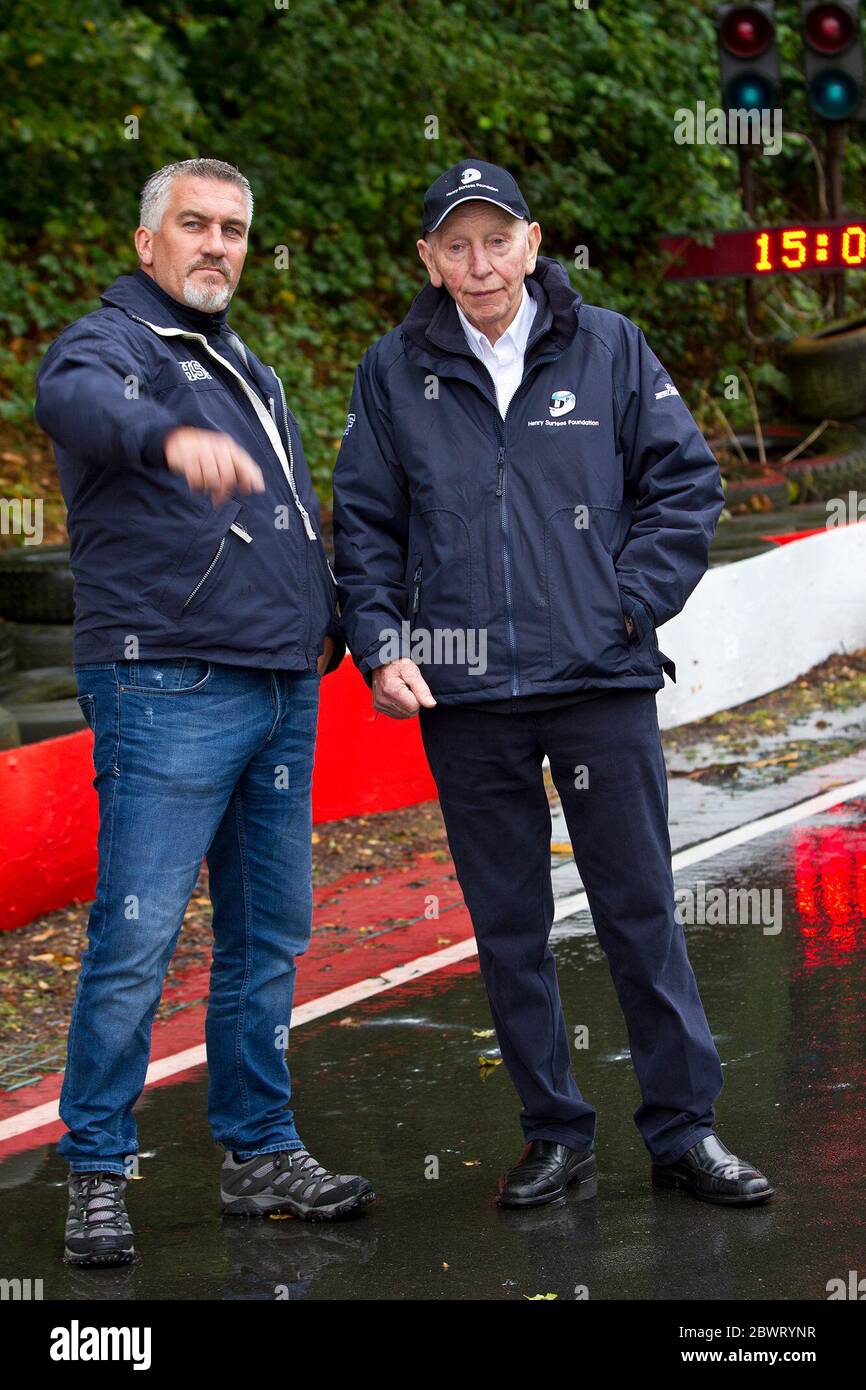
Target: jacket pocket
207, 558
586, 627
439, 603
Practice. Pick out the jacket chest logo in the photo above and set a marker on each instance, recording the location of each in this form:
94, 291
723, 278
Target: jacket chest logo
561, 402
194, 371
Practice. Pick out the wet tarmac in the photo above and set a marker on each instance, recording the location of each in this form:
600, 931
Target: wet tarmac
394, 1087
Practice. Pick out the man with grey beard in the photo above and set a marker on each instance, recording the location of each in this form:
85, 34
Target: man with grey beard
205, 617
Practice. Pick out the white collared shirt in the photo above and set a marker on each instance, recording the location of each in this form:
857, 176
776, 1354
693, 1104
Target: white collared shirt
504, 358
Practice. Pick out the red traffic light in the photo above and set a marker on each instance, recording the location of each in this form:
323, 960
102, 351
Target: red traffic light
829, 29
746, 32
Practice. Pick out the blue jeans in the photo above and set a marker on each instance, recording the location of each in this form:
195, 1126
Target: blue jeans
193, 759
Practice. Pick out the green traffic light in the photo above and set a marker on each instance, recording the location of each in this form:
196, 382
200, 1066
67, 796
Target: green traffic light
750, 92
834, 95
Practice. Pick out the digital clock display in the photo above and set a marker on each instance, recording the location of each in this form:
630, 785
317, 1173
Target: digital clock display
801, 248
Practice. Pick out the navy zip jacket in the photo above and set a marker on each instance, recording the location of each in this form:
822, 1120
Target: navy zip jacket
247, 583
507, 554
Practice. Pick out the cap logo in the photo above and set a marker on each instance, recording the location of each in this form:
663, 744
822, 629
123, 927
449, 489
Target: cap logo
470, 176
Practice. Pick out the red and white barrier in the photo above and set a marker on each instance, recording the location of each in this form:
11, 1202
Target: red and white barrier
753, 626
48, 808
749, 627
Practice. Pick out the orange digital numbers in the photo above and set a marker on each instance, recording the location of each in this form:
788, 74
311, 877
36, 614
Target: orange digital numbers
763, 262
854, 245
807, 247
794, 245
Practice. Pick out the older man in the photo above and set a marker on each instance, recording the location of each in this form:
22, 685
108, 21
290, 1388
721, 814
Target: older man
521, 497
205, 616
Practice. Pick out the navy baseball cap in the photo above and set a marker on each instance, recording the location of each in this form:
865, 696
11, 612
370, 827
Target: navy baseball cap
469, 180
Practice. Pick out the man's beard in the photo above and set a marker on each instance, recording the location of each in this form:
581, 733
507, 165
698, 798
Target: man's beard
209, 299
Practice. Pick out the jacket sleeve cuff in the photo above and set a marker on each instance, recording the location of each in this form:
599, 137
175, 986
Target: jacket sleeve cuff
370, 660
152, 446
334, 630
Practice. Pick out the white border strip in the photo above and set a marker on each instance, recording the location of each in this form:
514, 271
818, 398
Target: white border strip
424, 965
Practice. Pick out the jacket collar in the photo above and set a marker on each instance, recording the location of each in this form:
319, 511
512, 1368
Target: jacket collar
433, 322
148, 302
140, 295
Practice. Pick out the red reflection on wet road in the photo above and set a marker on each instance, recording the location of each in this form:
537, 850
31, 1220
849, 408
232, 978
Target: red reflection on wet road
830, 886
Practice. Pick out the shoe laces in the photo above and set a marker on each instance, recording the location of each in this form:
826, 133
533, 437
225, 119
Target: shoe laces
100, 1198
299, 1160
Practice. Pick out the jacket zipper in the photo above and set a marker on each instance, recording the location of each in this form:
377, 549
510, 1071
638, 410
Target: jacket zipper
416, 596
287, 465
206, 573
308, 527
506, 566
310, 532
501, 493
292, 468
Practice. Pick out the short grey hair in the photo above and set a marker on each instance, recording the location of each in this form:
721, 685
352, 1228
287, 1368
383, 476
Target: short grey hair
157, 190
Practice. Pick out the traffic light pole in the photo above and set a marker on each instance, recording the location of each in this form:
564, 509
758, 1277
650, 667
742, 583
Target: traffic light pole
747, 195
835, 154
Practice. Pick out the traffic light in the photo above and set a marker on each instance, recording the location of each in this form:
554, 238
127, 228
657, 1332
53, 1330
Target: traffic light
748, 56
834, 58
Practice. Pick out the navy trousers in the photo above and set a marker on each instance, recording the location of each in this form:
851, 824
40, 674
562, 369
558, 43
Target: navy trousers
488, 771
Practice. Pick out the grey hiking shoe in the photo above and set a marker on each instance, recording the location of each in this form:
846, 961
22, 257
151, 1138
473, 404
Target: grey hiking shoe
290, 1181
97, 1224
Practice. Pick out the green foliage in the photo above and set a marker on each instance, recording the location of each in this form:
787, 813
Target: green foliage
326, 106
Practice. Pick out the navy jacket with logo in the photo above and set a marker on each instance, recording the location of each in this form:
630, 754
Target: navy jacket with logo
247, 583
594, 500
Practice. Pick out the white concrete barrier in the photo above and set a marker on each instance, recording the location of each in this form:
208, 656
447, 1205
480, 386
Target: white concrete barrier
754, 625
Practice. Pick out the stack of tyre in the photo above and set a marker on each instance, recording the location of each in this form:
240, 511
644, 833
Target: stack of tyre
37, 683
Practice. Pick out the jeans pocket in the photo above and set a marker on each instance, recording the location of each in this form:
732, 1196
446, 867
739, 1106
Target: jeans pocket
85, 704
182, 676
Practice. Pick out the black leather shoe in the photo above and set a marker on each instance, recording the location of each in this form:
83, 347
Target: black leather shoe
710, 1172
543, 1172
